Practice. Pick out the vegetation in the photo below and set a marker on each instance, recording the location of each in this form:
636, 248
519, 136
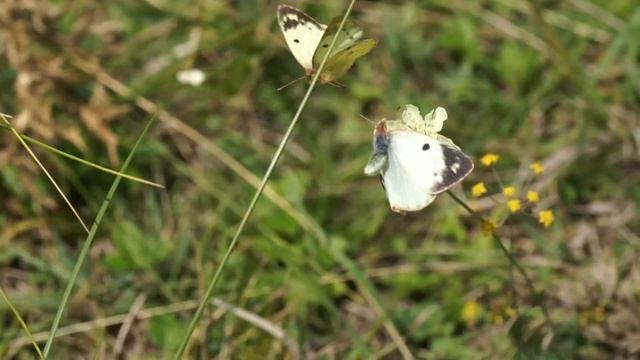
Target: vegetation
543, 95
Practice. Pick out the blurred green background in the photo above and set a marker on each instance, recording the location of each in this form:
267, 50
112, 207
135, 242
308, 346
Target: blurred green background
323, 262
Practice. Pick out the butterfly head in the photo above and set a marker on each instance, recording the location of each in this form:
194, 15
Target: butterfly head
381, 128
324, 78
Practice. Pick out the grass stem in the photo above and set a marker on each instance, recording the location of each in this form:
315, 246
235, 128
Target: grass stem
216, 277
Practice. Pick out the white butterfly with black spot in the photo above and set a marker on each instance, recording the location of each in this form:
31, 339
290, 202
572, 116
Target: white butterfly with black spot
414, 167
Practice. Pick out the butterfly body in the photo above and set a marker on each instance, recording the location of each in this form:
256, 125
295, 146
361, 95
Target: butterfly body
378, 161
309, 41
414, 166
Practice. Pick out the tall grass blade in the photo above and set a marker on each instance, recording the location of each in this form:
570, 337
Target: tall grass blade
89, 240
22, 323
212, 283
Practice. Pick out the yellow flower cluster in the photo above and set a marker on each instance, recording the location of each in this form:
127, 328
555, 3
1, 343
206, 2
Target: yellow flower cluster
510, 192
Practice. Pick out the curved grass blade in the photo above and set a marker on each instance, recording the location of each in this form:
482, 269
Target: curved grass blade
89, 240
22, 323
35, 158
212, 283
83, 161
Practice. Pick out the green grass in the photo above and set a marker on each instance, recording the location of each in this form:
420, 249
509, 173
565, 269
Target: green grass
86, 246
322, 259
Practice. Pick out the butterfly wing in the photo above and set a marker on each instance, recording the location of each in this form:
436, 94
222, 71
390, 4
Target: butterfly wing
457, 165
404, 192
347, 50
341, 62
302, 34
376, 164
420, 167
351, 33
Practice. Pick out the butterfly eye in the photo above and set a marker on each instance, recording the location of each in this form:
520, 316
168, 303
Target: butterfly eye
325, 45
425, 147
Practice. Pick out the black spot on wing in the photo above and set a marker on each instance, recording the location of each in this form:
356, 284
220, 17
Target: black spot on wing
290, 17
457, 166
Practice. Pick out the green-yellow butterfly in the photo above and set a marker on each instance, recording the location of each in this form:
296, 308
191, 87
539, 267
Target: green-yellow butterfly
309, 41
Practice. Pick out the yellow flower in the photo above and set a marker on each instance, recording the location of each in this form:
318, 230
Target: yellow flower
470, 312
599, 314
514, 205
533, 196
510, 312
593, 315
537, 168
489, 159
545, 217
496, 319
478, 189
509, 191
489, 227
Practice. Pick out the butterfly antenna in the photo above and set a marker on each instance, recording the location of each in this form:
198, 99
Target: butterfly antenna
366, 118
337, 84
290, 83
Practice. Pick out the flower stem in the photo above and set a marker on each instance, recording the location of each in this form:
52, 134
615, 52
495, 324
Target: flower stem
509, 255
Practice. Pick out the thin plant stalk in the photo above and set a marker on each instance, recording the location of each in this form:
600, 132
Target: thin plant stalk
212, 283
55, 184
22, 323
83, 161
509, 256
89, 240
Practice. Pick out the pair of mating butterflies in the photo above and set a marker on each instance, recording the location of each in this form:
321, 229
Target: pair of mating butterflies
414, 162
309, 41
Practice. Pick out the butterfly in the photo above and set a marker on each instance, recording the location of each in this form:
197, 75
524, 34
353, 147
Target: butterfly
415, 165
309, 41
